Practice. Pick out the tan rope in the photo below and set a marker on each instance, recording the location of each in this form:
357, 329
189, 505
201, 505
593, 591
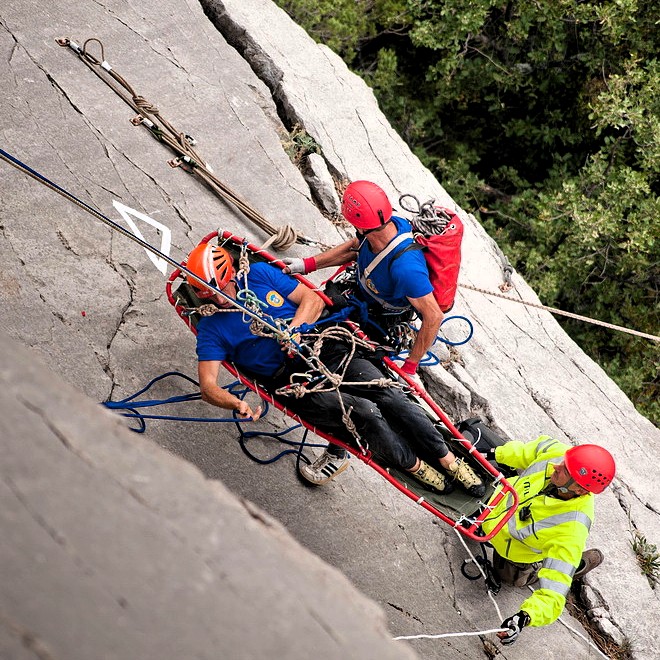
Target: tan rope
331, 382
181, 144
561, 312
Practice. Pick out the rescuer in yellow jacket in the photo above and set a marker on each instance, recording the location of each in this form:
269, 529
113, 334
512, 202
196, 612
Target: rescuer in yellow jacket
544, 542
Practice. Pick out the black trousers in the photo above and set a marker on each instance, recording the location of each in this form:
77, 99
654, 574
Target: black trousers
395, 429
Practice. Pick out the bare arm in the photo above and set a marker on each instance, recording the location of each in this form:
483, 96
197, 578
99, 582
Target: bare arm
339, 255
429, 312
336, 256
309, 304
215, 395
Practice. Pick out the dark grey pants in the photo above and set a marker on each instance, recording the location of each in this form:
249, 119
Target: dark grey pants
515, 573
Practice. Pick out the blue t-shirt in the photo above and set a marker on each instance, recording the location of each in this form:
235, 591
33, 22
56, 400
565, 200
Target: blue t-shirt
397, 279
227, 336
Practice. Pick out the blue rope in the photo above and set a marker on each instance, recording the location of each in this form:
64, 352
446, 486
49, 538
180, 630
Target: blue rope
130, 407
130, 404
456, 343
246, 435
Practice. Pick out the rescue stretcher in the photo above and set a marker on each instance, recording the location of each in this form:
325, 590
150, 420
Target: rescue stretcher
458, 508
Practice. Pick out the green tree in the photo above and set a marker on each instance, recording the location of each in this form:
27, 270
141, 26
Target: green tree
542, 119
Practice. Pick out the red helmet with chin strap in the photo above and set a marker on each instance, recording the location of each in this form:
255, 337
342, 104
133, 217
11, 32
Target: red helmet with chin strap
590, 466
365, 205
211, 263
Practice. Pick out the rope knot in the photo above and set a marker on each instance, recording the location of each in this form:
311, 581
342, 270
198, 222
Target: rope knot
144, 105
284, 238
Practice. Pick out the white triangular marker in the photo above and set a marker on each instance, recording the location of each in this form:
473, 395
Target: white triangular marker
165, 233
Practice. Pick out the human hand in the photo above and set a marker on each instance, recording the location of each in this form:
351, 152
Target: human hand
290, 345
514, 624
244, 411
302, 266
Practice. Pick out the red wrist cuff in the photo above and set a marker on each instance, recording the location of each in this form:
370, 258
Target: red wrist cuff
409, 367
310, 264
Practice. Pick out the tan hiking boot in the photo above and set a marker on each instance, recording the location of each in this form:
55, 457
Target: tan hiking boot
590, 560
460, 471
433, 479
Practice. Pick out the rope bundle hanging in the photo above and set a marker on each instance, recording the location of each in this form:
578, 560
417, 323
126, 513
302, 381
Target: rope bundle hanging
181, 143
324, 380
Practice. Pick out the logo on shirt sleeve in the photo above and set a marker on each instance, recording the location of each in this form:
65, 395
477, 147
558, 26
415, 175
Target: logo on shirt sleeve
274, 299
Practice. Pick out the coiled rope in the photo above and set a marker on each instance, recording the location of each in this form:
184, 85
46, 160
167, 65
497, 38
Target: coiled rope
130, 405
182, 144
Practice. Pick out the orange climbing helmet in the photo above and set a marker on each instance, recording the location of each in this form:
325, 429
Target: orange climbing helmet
211, 263
590, 466
365, 205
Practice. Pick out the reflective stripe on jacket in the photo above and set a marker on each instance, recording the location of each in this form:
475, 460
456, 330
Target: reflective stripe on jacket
544, 529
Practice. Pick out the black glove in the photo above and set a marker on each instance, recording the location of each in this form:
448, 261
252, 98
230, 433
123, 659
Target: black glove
515, 624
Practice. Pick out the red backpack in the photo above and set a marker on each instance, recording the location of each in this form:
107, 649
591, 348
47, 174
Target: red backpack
439, 232
443, 258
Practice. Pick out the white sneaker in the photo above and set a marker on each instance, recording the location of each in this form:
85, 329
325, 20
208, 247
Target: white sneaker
324, 468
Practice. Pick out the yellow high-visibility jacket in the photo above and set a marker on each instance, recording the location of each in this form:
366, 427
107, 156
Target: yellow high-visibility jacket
554, 532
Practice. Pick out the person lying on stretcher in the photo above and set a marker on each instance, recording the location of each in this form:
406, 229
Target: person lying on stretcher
399, 434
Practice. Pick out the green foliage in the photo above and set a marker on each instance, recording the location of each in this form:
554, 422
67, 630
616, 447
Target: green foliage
544, 120
338, 24
648, 558
298, 144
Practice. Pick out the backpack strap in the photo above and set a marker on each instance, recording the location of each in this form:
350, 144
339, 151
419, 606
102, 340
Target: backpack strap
392, 245
409, 248
363, 275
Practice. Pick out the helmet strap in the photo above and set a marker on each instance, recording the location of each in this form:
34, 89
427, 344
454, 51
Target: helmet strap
365, 232
566, 488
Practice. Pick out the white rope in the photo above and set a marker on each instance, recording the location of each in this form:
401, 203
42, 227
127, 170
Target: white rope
465, 634
561, 312
454, 634
483, 575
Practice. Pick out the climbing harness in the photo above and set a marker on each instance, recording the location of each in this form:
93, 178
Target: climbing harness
394, 330
485, 570
181, 143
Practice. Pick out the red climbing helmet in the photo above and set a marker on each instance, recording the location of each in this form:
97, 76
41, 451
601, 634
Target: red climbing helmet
211, 263
590, 466
365, 205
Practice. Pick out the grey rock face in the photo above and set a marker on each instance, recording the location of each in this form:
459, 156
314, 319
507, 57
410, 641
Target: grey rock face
114, 548
91, 304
